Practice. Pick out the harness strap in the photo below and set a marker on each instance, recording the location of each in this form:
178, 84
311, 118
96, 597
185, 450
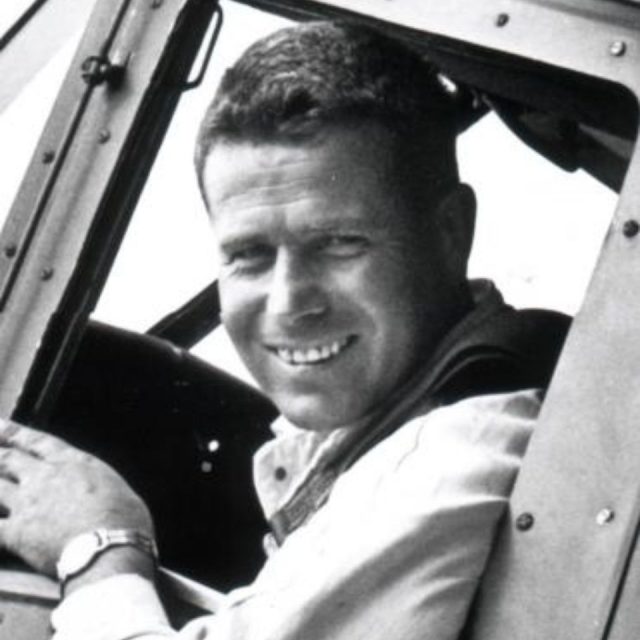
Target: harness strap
502, 350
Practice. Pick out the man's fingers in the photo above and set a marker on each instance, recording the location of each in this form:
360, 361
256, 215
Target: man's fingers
30, 441
15, 452
7, 430
9, 485
8, 433
8, 474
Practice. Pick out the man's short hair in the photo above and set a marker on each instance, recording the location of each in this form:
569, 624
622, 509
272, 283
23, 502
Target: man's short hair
299, 81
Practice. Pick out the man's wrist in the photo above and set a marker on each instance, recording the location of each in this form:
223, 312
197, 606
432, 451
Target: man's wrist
100, 553
112, 562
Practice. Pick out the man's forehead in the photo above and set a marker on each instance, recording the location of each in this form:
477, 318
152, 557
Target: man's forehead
343, 166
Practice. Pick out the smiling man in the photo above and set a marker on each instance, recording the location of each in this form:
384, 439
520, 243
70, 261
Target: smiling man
333, 289
327, 163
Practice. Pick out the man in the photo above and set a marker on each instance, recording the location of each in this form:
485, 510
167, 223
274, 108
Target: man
327, 163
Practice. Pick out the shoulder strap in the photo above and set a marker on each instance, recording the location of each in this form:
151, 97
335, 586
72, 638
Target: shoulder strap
507, 350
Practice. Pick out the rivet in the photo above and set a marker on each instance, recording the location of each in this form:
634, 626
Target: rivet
46, 273
617, 48
280, 473
48, 156
524, 521
502, 19
206, 466
630, 228
213, 446
104, 136
10, 250
605, 516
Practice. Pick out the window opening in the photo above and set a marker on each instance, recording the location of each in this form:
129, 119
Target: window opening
538, 234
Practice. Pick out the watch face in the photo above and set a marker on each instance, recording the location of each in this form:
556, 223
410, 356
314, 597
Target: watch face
77, 555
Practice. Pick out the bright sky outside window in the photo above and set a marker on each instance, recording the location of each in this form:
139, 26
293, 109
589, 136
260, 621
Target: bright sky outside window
10, 11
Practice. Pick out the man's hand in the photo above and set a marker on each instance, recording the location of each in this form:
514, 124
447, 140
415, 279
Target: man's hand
51, 492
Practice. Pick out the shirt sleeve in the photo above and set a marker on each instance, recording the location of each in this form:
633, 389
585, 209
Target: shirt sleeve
396, 552
123, 607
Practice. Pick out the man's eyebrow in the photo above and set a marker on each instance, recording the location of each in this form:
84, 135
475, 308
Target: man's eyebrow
339, 223
241, 239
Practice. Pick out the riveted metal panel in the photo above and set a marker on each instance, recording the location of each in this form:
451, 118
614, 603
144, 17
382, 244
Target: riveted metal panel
71, 212
573, 34
87, 171
562, 576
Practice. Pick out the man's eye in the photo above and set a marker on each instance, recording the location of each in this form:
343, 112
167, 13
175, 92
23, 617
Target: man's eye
344, 246
249, 258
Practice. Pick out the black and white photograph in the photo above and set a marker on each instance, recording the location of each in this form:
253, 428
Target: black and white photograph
318, 320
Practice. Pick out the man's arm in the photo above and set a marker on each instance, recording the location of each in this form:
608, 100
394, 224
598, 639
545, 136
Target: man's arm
397, 551
50, 493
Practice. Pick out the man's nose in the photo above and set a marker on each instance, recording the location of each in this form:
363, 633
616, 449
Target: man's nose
295, 290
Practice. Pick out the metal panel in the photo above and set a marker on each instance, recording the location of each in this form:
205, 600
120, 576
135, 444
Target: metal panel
72, 210
84, 179
27, 600
563, 555
574, 34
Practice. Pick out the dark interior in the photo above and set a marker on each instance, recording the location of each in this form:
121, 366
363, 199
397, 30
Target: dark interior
151, 409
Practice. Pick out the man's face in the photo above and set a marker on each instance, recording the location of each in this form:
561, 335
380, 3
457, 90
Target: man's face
332, 290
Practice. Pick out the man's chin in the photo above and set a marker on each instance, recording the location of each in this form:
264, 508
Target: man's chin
314, 414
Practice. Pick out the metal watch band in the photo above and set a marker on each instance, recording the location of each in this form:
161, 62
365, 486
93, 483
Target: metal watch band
80, 552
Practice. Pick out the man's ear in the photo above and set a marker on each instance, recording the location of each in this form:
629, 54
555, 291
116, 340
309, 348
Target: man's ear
456, 218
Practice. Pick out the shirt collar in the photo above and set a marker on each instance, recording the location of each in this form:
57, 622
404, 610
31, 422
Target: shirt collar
281, 465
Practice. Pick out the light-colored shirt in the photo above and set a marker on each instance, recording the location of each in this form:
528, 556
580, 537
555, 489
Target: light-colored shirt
397, 550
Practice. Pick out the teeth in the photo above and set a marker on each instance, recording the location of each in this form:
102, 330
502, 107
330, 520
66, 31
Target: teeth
312, 355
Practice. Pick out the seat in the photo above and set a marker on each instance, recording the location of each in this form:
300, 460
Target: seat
183, 433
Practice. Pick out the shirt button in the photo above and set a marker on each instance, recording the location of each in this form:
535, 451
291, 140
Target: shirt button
280, 473
269, 544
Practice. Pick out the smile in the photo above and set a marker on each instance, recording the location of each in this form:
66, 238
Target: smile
312, 355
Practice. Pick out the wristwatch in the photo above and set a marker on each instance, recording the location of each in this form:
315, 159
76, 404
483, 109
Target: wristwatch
83, 550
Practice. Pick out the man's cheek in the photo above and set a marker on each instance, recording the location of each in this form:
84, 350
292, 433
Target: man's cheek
235, 309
